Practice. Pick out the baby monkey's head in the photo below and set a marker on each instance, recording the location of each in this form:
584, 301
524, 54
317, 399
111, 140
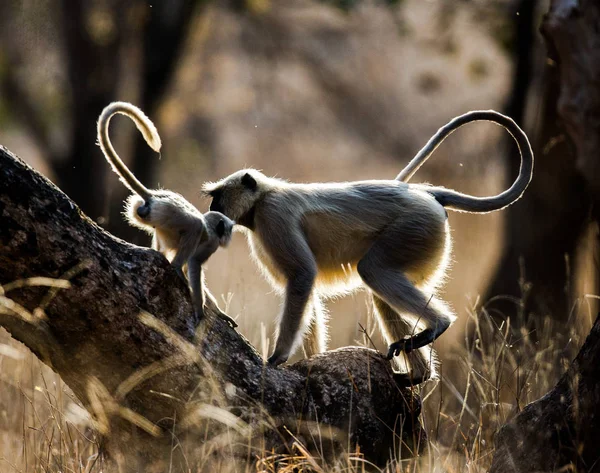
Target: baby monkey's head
219, 226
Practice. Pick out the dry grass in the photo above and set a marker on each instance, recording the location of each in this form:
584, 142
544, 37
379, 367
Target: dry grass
497, 371
486, 377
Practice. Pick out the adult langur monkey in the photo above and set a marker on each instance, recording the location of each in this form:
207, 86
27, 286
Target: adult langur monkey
179, 230
314, 240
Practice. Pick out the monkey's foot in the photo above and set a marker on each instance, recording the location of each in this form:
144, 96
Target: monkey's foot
179, 272
276, 359
222, 316
409, 344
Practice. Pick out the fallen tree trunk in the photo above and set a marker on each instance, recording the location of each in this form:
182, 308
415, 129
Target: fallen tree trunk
123, 337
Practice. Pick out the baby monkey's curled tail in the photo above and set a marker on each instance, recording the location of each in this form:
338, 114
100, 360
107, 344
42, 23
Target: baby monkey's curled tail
179, 230
146, 128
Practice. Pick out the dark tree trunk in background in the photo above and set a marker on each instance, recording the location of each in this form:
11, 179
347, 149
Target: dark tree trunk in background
522, 49
561, 431
97, 46
164, 36
545, 226
163, 39
124, 338
93, 66
572, 32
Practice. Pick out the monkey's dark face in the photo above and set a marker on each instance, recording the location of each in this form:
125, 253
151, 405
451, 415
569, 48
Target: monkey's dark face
224, 230
236, 195
220, 226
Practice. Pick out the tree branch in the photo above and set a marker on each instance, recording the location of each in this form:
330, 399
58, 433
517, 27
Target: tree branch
150, 380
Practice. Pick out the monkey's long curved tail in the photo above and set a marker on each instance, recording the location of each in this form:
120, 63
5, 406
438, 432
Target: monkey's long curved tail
148, 131
466, 203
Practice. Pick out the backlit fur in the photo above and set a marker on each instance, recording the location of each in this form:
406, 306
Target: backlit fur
326, 239
338, 223
179, 230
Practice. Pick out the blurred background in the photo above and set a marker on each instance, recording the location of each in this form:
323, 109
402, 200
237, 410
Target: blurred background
316, 90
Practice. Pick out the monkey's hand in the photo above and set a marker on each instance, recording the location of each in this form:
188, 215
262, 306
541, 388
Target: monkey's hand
228, 319
405, 345
276, 359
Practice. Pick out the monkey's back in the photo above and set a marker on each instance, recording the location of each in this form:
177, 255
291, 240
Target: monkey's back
174, 218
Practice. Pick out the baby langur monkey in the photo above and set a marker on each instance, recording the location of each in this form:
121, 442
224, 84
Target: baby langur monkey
178, 229
320, 240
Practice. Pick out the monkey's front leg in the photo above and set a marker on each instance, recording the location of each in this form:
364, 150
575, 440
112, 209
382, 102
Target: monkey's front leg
200, 294
194, 268
293, 322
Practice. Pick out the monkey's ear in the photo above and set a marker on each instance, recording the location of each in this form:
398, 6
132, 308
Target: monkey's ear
249, 182
220, 229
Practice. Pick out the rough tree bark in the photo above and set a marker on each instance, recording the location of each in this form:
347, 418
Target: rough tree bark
154, 381
561, 431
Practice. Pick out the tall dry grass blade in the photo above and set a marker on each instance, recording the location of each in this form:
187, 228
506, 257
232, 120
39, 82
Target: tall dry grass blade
186, 348
35, 281
144, 374
10, 307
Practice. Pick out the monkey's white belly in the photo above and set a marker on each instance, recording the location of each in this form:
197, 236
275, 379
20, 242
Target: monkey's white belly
339, 242
333, 277
343, 280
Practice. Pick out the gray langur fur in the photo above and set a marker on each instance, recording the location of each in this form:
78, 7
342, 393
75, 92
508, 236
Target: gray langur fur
325, 239
179, 230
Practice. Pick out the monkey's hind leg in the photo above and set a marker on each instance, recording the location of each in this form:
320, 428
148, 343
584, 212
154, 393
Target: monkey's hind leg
317, 338
386, 278
186, 249
156, 243
419, 365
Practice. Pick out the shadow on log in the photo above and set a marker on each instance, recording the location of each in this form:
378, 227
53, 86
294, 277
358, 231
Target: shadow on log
163, 387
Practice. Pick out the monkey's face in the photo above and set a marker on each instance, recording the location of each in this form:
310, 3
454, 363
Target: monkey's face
219, 225
236, 195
